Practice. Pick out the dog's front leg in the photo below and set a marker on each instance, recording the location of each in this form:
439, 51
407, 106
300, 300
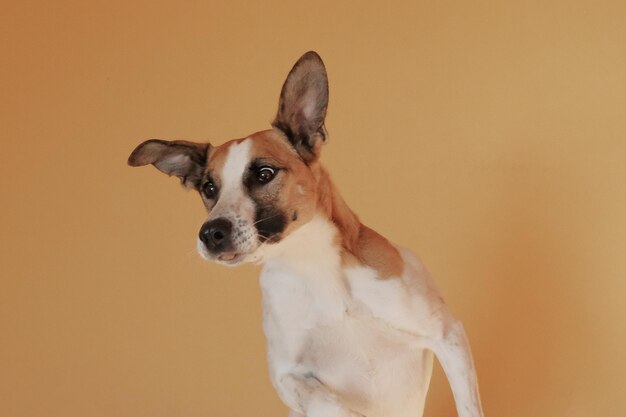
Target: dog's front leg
454, 354
307, 396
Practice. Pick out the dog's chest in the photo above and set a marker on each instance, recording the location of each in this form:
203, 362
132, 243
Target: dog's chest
314, 328
295, 307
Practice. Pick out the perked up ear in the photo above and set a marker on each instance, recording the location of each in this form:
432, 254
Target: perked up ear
302, 106
186, 160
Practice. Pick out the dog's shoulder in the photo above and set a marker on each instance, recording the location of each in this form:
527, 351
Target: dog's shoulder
396, 299
375, 251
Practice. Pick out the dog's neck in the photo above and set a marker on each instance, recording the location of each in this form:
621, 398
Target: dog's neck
324, 240
333, 207
321, 254
335, 237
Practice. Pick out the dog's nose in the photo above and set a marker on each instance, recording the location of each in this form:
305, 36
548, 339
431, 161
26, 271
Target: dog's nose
216, 234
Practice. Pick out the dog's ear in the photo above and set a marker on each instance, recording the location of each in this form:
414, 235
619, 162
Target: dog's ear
186, 160
302, 106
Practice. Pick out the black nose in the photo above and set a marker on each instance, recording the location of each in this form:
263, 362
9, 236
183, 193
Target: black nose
216, 235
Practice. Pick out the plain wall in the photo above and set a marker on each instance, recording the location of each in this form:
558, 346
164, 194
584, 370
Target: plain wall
488, 136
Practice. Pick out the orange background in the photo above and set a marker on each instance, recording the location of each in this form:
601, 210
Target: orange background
488, 136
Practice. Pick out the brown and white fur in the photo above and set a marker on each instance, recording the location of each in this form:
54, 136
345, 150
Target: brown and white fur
352, 321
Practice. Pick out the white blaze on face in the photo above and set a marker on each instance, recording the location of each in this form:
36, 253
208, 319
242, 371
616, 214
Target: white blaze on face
235, 164
233, 203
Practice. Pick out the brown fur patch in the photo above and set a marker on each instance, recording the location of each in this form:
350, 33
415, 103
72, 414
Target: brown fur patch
379, 253
359, 243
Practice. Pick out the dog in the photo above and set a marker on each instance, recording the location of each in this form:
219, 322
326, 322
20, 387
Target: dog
352, 321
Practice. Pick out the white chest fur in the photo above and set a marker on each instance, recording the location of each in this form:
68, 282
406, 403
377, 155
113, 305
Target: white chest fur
316, 327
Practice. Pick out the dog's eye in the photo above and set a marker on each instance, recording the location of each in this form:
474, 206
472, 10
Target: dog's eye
265, 174
209, 190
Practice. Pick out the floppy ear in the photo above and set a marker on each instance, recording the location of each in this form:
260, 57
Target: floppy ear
186, 160
302, 106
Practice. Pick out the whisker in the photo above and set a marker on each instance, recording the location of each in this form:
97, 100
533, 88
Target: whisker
266, 218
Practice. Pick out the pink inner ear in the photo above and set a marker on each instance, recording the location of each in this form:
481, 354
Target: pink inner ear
308, 105
173, 163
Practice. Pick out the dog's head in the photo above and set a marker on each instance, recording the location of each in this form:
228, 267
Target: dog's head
259, 189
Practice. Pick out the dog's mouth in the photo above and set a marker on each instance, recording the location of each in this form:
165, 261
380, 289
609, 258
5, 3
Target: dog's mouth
227, 257
230, 258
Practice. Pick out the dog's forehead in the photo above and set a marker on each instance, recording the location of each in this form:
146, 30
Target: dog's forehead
272, 144
217, 157
231, 159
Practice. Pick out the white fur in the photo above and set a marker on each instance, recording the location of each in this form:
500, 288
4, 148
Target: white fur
342, 342
235, 164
